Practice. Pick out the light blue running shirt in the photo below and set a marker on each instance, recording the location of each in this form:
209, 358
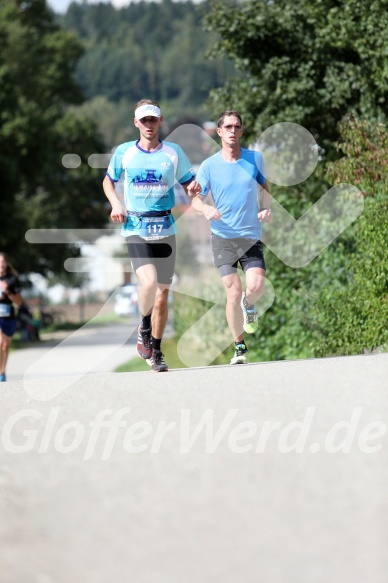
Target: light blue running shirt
149, 179
233, 186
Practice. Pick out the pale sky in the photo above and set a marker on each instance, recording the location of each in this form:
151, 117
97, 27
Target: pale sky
62, 5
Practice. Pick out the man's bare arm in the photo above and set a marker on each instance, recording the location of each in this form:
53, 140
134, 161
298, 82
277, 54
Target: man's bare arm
209, 212
118, 214
265, 213
193, 188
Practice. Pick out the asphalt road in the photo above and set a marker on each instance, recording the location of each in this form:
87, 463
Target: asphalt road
272, 472
88, 350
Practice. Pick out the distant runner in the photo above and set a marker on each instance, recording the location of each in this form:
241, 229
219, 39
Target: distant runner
9, 295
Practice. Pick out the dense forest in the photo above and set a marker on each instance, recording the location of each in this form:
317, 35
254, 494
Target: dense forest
147, 49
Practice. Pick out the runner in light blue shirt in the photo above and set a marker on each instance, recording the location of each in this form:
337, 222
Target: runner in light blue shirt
233, 187
235, 178
151, 169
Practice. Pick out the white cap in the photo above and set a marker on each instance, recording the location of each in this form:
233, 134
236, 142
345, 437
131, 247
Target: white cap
147, 110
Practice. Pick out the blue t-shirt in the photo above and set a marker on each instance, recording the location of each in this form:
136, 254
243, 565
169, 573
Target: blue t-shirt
149, 179
233, 186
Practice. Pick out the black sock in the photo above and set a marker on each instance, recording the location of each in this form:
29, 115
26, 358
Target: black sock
156, 342
146, 322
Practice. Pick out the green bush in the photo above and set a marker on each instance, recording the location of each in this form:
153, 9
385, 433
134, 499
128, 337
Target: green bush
351, 316
354, 318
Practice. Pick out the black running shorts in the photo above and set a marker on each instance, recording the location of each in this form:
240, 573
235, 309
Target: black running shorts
161, 253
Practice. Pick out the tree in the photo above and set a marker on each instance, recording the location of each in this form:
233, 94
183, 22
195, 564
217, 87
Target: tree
352, 317
123, 61
37, 64
305, 62
311, 63
364, 161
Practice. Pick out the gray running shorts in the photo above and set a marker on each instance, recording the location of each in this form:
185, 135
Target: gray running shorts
228, 253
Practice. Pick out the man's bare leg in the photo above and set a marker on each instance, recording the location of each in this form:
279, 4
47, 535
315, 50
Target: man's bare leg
234, 316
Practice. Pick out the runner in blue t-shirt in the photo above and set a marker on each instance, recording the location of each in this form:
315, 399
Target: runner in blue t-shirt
151, 168
9, 295
235, 179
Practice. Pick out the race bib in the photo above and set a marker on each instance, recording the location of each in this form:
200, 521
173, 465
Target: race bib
5, 310
150, 228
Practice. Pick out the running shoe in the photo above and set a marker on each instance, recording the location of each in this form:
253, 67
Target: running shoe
143, 346
250, 316
239, 355
157, 362
3, 378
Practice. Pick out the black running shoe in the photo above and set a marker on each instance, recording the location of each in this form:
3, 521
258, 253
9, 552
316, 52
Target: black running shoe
157, 362
143, 346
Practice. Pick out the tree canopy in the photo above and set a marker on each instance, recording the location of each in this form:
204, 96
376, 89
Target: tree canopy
306, 62
146, 49
37, 64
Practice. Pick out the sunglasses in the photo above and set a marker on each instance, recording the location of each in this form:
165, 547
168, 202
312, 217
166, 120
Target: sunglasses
229, 128
150, 118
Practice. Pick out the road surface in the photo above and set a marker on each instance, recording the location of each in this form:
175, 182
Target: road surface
273, 473
91, 349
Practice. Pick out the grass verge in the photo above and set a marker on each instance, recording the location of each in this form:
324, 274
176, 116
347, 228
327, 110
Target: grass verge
171, 357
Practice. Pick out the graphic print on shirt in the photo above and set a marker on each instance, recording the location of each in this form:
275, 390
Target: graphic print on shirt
149, 182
